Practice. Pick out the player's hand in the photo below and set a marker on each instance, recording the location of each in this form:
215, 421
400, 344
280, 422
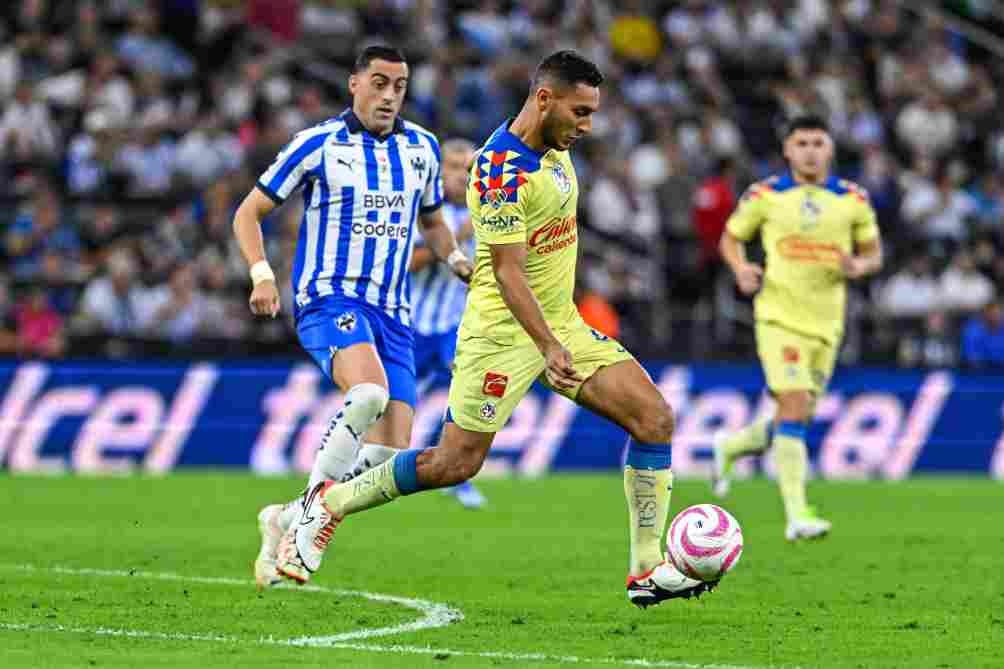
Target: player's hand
463, 269
265, 299
853, 267
560, 371
748, 278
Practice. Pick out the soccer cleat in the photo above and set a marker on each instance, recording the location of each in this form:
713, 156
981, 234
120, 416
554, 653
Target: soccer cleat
720, 472
302, 546
468, 496
265, 574
809, 526
662, 583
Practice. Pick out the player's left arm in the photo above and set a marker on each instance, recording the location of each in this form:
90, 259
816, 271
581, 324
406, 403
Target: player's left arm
867, 257
439, 239
440, 244
423, 256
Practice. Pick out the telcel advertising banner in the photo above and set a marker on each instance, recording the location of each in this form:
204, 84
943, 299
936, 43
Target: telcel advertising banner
268, 416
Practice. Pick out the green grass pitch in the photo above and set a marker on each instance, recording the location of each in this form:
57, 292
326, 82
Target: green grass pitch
911, 577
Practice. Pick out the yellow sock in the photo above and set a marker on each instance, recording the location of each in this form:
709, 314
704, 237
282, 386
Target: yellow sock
754, 438
791, 460
373, 487
647, 492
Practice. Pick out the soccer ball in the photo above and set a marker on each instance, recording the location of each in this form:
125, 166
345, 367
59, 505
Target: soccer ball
704, 542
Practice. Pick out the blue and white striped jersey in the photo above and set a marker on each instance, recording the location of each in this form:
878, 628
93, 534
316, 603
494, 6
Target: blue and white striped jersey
438, 296
362, 196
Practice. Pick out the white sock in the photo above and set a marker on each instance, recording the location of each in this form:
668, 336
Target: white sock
371, 455
364, 405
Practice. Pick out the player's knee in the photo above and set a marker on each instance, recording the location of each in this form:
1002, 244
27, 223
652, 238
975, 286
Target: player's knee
653, 425
368, 399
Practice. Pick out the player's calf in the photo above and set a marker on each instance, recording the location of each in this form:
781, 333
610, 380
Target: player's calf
363, 406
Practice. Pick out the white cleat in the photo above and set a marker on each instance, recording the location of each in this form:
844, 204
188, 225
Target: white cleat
720, 479
302, 546
662, 583
808, 527
265, 574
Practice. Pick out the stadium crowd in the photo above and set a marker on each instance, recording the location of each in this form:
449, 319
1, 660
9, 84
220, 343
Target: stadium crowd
129, 131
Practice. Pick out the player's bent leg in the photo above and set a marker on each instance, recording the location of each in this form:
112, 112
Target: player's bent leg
356, 369
359, 373
792, 463
754, 439
459, 456
624, 393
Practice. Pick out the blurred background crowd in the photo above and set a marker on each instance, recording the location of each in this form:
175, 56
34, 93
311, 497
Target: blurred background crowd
131, 129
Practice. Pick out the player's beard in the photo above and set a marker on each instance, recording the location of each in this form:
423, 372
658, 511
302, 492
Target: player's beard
549, 133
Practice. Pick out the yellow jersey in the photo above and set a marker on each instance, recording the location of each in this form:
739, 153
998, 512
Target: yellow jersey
518, 195
804, 228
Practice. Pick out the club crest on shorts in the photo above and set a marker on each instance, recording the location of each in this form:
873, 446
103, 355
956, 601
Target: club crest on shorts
487, 412
494, 384
790, 354
346, 322
561, 179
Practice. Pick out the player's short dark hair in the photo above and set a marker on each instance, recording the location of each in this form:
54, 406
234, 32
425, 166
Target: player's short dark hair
377, 52
806, 122
567, 67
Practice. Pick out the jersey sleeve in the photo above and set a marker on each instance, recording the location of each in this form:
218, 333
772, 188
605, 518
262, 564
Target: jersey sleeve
749, 215
291, 167
432, 196
865, 226
500, 213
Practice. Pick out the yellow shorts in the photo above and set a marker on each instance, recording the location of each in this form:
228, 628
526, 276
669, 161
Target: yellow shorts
491, 377
793, 361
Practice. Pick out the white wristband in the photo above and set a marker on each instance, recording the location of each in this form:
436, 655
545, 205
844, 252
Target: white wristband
260, 271
456, 256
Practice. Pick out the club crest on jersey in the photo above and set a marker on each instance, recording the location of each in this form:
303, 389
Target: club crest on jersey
496, 197
494, 384
561, 179
418, 164
790, 354
488, 412
810, 211
346, 322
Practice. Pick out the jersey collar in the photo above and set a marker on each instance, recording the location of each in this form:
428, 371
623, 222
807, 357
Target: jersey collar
787, 180
517, 141
355, 126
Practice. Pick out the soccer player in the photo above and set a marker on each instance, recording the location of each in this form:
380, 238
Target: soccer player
367, 177
818, 231
520, 325
438, 297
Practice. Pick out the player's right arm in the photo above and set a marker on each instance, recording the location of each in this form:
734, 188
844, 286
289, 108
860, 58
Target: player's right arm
509, 268
288, 171
741, 226
256, 206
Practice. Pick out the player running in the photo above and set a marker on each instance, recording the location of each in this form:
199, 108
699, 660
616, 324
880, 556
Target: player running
818, 231
438, 297
367, 176
521, 325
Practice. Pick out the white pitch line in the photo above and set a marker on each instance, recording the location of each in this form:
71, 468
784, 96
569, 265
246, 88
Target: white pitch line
375, 648
436, 615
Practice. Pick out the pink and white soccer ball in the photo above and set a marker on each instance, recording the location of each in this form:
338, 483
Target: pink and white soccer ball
704, 542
